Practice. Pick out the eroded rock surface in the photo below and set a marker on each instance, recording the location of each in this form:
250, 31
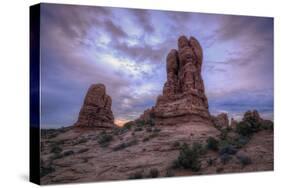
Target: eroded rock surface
183, 97
221, 120
96, 110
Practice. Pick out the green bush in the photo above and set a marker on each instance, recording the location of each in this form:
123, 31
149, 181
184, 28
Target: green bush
248, 126
104, 139
212, 144
188, 158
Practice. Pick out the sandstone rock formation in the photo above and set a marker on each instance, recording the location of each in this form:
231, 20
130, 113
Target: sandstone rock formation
96, 110
147, 114
183, 97
221, 120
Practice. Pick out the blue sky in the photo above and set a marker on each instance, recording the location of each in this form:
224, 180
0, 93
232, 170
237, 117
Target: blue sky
125, 49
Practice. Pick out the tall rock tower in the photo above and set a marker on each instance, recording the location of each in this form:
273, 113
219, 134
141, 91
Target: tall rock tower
96, 110
183, 98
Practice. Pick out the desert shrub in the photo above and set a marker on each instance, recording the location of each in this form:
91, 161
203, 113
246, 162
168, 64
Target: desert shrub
199, 148
225, 158
244, 128
153, 173
56, 149
83, 150
248, 126
227, 149
68, 153
212, 144
188, 158
125, 145
244, 160
104, 139
136, 175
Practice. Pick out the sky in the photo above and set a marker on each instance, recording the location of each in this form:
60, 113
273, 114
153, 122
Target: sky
126, 49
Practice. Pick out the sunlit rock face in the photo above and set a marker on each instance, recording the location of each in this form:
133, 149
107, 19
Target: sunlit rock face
96, 110
183, 97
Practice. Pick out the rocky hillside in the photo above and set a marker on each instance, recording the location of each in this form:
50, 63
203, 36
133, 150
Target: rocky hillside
145, 150
176, 137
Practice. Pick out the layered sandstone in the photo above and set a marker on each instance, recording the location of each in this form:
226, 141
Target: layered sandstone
96, 110
183, 97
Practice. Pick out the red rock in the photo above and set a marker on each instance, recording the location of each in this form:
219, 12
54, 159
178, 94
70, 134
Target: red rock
183, 97
96, 110
221, 120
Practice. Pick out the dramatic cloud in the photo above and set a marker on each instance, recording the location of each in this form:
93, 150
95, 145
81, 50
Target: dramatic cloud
125, 49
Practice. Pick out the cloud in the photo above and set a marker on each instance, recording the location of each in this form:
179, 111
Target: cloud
82, 45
